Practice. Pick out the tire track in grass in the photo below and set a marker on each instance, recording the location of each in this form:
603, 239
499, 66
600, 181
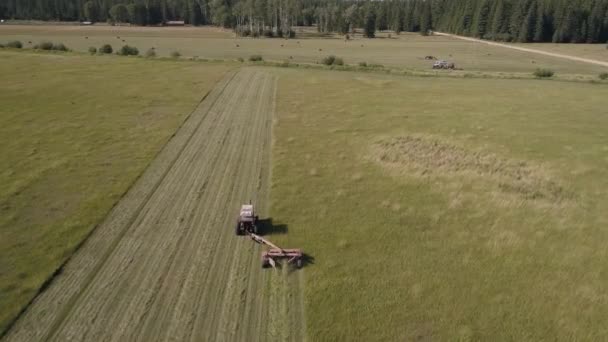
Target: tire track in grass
258, 306
227, 179
237, 282
180, 267
177, 271
207, 318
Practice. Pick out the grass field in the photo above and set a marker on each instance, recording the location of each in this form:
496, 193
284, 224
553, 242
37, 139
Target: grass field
75, 132
403, 51
430, 208
434, 213
166, 264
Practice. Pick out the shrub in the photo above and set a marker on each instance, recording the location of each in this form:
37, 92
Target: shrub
603, 76
255, 34
176, 54
1, 45
60, 47
106, 48
255, 58
92, 50
128, 50
332, 60
15, 44
544, 73
268, 33
44, 46
240, 59
151, 53
329, 60
363, 64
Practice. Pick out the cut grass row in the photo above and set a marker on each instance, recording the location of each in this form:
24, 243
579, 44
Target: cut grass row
460, 251
75, 132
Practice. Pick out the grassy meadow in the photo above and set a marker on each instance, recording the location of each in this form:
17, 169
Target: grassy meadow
75, 132
406, 50
433, 208
445, 209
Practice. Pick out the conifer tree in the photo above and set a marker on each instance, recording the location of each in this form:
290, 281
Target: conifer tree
426, 20
526, 32
481, 23
370, 22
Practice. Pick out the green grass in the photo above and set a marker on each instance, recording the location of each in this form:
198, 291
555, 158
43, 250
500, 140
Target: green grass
403, 51
75, 132
488, 225
434, 208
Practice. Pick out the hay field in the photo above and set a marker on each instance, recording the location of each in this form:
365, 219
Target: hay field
403, 51
430, 208
165, 264
75, 133
434, 212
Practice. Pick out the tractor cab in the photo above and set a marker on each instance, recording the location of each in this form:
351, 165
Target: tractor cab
247, 220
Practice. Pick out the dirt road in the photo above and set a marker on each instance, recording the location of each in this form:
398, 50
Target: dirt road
540, 52
166, 264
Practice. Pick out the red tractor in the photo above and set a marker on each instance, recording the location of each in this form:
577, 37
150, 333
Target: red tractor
247, 222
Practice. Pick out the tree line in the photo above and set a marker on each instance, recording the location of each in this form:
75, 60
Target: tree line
559, 21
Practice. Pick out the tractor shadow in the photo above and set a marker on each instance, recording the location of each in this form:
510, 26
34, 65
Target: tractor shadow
307, 260
267, 227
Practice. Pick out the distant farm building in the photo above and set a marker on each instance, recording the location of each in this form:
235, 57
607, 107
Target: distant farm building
176, 23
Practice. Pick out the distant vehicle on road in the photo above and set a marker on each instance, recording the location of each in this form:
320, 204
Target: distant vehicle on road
443, 65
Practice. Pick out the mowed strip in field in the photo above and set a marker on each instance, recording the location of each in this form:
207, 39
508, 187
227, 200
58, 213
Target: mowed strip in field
166, 264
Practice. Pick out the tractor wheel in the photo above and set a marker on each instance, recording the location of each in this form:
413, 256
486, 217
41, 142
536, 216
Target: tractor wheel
255, 229
238, 229
299, 263
265, 263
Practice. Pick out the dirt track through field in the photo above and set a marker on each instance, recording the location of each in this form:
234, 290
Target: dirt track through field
546, 53
166, 264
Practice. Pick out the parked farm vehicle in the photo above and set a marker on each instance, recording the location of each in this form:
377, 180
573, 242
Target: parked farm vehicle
443, 65
247, 221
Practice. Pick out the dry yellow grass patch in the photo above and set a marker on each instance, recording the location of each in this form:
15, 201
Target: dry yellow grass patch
505, 180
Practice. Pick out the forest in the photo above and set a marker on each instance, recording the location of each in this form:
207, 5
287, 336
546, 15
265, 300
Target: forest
559, 21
